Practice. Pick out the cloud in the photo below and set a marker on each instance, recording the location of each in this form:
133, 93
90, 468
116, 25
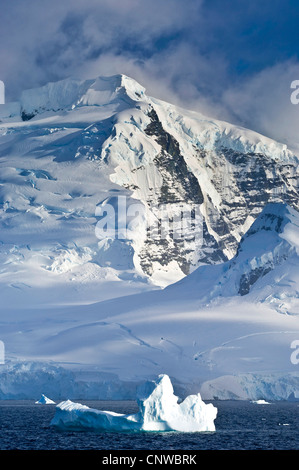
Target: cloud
263, 102
47, 42
157, 43
204, 55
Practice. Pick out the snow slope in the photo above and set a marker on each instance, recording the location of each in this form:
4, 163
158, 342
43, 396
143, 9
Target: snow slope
83, 316
203, 332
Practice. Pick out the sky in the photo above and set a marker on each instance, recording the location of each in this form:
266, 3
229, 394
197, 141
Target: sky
229, 59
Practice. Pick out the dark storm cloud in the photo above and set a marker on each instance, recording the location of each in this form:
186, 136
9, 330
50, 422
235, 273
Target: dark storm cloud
231, 59
47, 41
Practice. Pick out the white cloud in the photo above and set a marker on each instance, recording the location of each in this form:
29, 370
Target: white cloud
262, 102
42, 42
87, 38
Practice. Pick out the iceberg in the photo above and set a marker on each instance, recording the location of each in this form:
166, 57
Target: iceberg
159, 410
45, 401
261, 402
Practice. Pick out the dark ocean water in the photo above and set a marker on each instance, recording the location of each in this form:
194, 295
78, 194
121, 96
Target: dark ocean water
239, 426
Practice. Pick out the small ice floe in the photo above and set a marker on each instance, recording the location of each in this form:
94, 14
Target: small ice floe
45, 401
261, 402
159, 410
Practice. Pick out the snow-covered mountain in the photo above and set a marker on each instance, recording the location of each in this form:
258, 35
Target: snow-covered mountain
74, 150
81, 144
265, 267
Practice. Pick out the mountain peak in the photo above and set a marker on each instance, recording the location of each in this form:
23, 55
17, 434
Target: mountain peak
71, 93
273, 217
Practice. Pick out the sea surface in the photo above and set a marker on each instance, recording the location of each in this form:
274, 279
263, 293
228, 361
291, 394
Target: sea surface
240, 425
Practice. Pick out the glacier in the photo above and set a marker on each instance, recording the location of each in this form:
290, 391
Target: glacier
159, 410
87, 317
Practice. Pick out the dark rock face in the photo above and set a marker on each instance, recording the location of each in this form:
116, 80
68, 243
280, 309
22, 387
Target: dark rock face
179, 183
246, 182
261, 180
247, 280
179, 186
26, 116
